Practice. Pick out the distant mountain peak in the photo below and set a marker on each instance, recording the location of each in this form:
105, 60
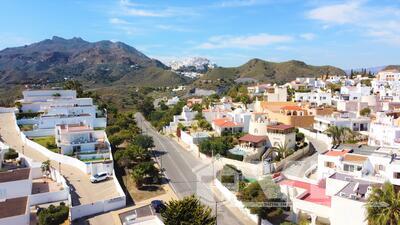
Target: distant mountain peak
53, 60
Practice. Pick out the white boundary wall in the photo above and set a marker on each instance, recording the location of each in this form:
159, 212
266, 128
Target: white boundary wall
79, 211
319, 136
8, 110
52, 155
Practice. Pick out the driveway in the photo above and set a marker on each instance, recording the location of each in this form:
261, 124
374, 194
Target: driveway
82, 190
298, 168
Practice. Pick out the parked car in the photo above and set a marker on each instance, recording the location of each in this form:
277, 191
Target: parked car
158, 205
98, 177
130, 219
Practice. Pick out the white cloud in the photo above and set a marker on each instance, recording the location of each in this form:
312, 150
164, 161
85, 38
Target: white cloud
128, 8
118, 21
381, 23
241, 3
336, 13
308, 36
227, 41
172, 28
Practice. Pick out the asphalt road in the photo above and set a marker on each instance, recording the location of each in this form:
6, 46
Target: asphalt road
189, 175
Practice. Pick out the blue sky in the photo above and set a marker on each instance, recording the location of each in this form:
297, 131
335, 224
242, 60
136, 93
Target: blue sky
348, 34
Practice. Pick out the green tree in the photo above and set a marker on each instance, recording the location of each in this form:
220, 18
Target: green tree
54, 215
11, 154
365, 112
146, 106
45, 167
74, 85
144, 141
339, 134
282, 151
143, 170
383, 206
187, 211
115, 140
256, 196
131, 156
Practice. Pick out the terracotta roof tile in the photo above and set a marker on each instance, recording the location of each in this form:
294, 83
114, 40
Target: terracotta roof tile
253, 138
14, 175
13, 207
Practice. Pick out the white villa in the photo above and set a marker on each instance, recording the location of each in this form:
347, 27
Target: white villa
354, 92
315, 97
81, 139
385, 131
58, 107
344, 179
341, 119
186, 118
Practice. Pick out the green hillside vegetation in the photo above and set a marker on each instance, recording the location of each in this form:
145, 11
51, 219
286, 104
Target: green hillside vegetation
271, 71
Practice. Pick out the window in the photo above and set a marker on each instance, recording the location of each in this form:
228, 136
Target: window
330, 164
396, 175
379, 167
351, 168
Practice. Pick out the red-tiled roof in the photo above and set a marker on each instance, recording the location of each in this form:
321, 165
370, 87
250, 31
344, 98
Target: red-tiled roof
280, 127
337, 153
13, 207
224, 122
253, 138
14, 175
291, 107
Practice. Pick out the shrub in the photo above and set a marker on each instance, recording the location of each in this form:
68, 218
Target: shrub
27, 115
300, 137
229, 155
11, 154
54, 215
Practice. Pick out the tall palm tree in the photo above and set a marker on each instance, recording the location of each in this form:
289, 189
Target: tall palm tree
383, 206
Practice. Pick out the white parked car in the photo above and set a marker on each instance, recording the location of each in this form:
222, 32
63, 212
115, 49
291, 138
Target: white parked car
130, 219
98, 177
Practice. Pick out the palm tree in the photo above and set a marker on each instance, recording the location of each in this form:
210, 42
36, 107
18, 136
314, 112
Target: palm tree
45, 167
282, 150
335, 133
339, 134
383, 206
189, 210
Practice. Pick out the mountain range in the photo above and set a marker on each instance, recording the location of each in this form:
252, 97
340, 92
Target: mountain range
98, 63
104, 62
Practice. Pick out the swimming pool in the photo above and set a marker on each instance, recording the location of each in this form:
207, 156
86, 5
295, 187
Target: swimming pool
238, 151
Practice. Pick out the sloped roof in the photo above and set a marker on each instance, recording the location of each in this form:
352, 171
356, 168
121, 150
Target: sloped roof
224, 122
253, 138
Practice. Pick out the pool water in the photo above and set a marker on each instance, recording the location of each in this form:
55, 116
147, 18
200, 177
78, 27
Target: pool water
237, 151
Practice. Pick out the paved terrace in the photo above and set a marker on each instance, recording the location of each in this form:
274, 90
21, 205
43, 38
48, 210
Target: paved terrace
82, 190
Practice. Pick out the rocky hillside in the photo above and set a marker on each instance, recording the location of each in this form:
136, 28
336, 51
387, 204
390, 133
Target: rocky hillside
392, 67
271, 71
99, 63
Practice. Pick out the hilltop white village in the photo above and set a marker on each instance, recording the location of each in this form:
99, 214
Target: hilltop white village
325, 142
